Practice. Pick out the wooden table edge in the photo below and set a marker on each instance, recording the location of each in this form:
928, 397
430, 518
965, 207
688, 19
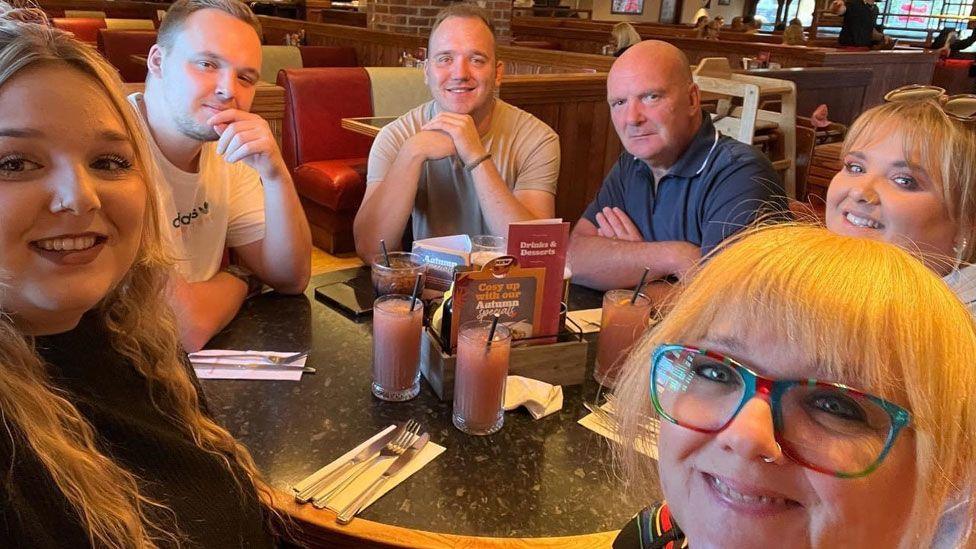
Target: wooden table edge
354, 125
319, 525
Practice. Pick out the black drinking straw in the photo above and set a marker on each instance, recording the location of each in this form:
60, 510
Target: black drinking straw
491, 332
637, 289
386, 254
416, 290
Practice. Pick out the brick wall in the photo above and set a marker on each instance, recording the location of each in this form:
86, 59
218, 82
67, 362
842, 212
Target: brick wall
417, 16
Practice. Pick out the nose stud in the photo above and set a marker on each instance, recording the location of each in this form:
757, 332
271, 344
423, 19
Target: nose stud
770, 459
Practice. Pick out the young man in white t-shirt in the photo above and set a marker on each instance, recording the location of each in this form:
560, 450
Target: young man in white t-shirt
223, 182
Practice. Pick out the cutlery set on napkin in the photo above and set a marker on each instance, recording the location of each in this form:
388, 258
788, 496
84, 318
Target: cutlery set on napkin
229, 364
364, 474
602, 421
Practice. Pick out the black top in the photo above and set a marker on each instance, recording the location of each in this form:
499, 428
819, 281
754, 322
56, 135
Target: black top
717, 187
114, 398
859, 21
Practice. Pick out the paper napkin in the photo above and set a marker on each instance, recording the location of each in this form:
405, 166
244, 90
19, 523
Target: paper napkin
340, 500
587, 319
600, 426
230, 364
538, 397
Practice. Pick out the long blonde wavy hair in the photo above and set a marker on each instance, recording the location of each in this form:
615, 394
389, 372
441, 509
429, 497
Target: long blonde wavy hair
945, 147
105, 495
860, 309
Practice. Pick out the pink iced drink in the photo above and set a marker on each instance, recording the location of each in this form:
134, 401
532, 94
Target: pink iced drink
396, 347
621, 324
479, 378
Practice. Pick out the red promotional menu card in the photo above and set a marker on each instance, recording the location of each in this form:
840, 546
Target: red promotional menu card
542, 244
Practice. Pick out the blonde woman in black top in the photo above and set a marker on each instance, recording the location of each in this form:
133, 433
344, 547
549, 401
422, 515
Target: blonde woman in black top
104, 442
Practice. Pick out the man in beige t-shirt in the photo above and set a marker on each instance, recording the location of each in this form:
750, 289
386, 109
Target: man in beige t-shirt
464, 163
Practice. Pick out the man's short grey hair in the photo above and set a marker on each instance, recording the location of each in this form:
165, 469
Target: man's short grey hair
180, 10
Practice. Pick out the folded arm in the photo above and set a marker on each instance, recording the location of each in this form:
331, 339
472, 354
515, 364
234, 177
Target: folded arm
605, 262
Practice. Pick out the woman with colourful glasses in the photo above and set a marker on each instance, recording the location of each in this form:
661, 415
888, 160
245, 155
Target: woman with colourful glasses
813, 390
909, 167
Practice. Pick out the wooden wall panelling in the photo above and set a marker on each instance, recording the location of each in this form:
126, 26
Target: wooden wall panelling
377, 48
575, 107
891, 68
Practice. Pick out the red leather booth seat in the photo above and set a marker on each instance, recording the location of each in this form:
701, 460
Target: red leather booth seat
954, 76
328, 163
85, 30
118, 46
328, 56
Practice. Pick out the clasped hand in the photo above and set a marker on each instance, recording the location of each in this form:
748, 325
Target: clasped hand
246, 137
449, 134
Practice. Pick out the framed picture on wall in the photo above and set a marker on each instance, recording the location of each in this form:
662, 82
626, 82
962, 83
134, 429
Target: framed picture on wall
627, 7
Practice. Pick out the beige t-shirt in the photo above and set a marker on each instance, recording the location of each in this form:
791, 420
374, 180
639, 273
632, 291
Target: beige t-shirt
524, 149
221, 205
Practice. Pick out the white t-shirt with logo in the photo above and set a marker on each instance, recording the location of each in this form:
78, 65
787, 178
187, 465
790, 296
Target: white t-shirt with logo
221, 206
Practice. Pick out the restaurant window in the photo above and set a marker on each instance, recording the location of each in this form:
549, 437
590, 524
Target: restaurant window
908, 19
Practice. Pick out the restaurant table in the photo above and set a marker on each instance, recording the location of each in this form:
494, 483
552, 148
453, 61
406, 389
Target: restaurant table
366, 125
533, 481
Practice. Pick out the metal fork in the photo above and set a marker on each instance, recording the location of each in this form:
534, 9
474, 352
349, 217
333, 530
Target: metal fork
393, 449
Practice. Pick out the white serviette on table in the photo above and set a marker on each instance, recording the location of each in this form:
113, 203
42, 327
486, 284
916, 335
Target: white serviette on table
431, 450
599, 425
231, 364
538, 397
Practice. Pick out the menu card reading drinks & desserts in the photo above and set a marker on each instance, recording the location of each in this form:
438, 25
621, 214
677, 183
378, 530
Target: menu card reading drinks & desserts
542, 244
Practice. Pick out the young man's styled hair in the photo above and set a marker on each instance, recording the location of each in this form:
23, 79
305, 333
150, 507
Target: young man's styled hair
180, 10
465, 11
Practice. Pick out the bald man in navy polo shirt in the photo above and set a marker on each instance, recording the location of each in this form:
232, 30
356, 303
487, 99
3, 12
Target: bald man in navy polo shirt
678, 190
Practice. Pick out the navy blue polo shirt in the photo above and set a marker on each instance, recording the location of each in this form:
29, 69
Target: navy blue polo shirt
717, 187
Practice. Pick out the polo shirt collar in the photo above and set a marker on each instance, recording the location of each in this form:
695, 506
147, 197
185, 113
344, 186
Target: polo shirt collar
699, 152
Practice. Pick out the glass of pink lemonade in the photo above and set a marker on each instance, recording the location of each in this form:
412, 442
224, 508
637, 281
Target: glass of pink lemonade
621, 324
479, 377
396, 347
399, 276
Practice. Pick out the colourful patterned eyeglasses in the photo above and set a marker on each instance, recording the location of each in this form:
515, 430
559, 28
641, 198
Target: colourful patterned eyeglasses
827, 427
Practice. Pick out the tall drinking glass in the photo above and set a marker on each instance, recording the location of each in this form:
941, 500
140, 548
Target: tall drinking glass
486, 247
479, 378
396, 347
399, 276
621, 324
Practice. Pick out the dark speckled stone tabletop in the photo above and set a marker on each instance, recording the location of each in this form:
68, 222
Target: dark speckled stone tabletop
531, 479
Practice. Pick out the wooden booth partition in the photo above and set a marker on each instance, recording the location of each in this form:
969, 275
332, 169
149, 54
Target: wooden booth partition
575, 106
843, 90
890, 68
383, 49
120, 9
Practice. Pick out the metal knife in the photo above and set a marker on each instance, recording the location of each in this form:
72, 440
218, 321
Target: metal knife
316, 482
399, 463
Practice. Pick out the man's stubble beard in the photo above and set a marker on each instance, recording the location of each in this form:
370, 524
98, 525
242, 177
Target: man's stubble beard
194, 130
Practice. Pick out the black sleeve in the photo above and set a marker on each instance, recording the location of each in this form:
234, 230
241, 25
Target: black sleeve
963, 44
